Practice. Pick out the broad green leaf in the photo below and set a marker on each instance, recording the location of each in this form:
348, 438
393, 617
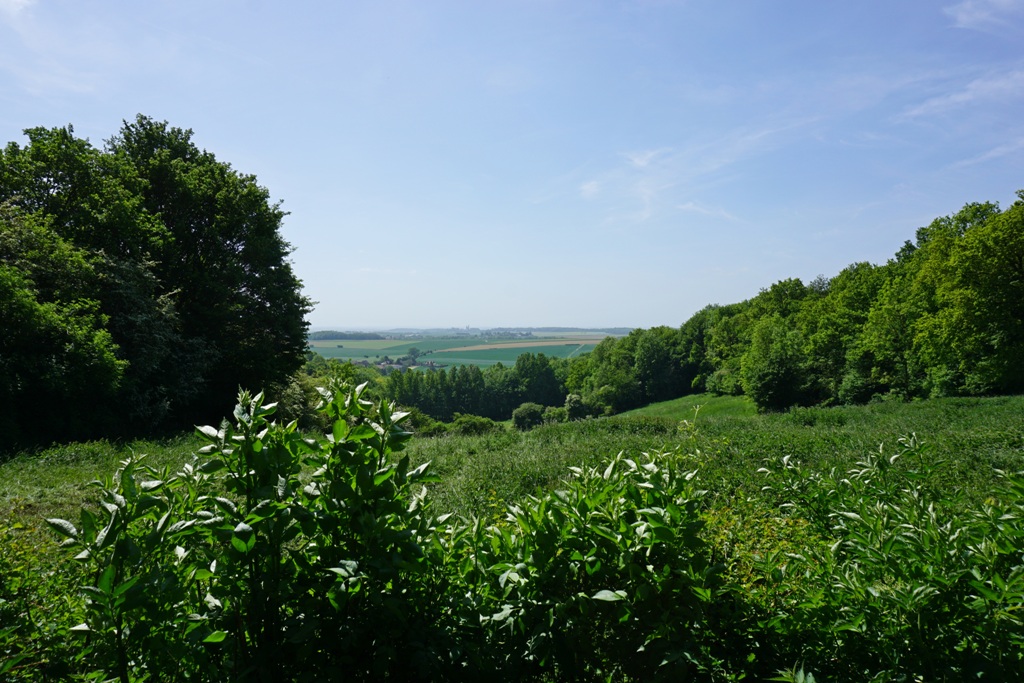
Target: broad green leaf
609, 596
208, 431
106, 582
504, 614
340, 431
211, 466
243, 539
215, 637
109, 533
63, 527
362, 432
127, 585
347, 569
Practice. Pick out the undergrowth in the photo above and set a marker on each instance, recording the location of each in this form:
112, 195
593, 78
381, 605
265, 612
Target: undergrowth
818, 544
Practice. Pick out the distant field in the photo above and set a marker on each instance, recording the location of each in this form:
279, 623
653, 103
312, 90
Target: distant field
711, 405
460, 351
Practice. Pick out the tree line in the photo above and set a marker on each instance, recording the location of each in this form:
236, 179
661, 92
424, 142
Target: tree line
943, 317
140, 284
332, 335
143, 281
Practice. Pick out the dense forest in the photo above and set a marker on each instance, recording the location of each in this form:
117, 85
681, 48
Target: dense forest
140, 285
943, 317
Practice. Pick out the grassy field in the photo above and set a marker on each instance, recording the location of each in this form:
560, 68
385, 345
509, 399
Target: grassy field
702, 405
457, 351
966, 442
973, 435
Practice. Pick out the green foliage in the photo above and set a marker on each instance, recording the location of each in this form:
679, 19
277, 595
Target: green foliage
773, 368
912, 586
527, 416
942, 318
148, 276
604, 578
236, 568
274, 555
575, 408
473, 425
54, 348
35, 638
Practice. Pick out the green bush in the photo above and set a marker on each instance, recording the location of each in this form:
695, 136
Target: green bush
555, 415
527, 416
604, 578
911, 586
238, 568
473, 425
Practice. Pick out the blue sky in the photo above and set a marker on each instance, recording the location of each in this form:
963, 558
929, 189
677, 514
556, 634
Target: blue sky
538, 163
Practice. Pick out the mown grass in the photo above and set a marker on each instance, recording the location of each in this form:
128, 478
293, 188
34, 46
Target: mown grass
704, 405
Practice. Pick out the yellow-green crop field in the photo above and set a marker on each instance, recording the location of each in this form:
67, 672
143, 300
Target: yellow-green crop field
456, 351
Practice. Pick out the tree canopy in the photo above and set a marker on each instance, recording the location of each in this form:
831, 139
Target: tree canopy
141, 283
943, 317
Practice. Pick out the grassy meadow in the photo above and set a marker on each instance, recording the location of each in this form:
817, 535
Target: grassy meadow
973, 437
482, 473
765, 492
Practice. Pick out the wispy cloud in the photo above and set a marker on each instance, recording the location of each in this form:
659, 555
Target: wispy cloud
68, 52
590, 189
736, 146
1001, 87
659, 181
12, 7
642, 159
714, 212
985, 15
994, 153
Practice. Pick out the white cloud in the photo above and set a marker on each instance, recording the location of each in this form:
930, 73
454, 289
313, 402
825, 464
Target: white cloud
1002, 87
590, 189
984, 15
14, 6
650, 184
716, 212
643, 158
995, 153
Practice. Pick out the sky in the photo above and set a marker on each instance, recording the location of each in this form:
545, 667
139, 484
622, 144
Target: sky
578, 163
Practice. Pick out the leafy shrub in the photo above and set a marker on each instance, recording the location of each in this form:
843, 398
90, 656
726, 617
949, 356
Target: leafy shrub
473, 425
555, 415
237, 568
423, 425
527, 416
607, 577
575, 408
912, 586
274, 555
